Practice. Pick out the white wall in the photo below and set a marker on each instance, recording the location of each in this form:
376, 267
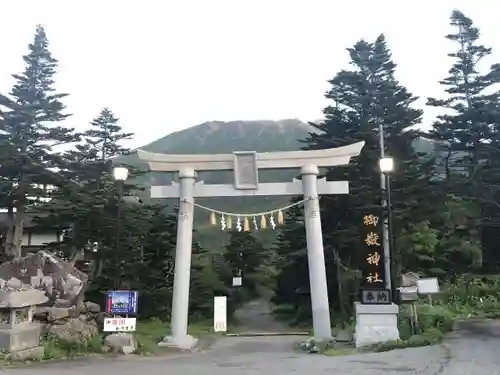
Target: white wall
38, 239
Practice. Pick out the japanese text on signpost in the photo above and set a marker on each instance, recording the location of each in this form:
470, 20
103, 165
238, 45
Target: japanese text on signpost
373, 270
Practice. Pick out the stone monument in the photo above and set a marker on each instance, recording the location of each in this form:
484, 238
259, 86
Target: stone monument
376, 314
245, 166
19, 335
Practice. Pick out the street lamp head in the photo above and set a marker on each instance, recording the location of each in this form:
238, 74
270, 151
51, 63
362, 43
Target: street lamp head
120, 173
386, 165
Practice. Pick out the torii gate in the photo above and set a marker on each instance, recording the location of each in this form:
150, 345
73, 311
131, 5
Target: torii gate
246, 165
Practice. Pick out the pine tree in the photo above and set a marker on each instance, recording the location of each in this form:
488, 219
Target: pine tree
466, 125
363, 98
244, 256
88, 202
30, 135
206, 283
469, 126
292, 281
105, 136
154, 273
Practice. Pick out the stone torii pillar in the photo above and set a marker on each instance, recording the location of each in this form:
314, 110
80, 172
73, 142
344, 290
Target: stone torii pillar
245, 165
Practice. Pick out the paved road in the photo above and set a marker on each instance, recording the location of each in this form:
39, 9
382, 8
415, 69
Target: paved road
473, 350
255, 356
256, 316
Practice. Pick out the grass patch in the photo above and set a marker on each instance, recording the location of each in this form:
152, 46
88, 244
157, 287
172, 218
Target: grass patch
332, 352
56, 348
150, 333
328, 348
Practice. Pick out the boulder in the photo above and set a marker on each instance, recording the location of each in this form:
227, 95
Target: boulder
43, 270
100, 317
57, 313
74, 330
92, 307
121, 342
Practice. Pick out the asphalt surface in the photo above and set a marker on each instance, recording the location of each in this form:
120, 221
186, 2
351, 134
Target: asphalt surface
473, 349
255, 356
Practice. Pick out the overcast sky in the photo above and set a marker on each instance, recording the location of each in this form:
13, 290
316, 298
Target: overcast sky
162, 66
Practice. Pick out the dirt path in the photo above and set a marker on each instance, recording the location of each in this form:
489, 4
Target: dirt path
256, 316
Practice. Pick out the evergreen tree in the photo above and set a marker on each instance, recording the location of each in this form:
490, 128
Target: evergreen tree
244, 256
105, 135
292, 284
466, 125
206, 283
30, 132
88, 203
469, 126
154, 273
363, 98
87, 200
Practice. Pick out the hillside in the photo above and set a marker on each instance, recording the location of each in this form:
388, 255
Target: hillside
224, 137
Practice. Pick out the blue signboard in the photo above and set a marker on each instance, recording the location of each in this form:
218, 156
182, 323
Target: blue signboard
122, 302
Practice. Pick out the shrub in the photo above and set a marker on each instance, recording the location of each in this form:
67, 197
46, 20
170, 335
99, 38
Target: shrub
472, 295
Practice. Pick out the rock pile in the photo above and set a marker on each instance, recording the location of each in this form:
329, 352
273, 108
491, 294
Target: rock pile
71, 324
65, 315
63, 283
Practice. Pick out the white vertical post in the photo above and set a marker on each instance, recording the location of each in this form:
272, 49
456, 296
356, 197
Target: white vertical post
182, 270
315, 255
220, 314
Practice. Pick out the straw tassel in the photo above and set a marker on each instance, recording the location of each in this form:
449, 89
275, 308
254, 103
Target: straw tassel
213, 219
281, 219
263, 222
246, 225
229, 222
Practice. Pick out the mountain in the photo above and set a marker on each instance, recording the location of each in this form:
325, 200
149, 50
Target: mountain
217, 137
225, 137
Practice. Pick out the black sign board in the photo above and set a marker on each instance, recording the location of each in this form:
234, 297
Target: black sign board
375, 296
373, 268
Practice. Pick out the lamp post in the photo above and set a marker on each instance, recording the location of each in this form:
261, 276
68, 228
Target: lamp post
386, 165
120, 175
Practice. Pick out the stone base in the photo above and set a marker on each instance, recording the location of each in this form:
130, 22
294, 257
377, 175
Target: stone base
34, 354
187, 342
376, 324
23, 336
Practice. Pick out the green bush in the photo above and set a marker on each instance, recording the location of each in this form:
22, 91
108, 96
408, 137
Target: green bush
429, 318
56, 348
432, 324
472, 295
433, 336
435, 317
